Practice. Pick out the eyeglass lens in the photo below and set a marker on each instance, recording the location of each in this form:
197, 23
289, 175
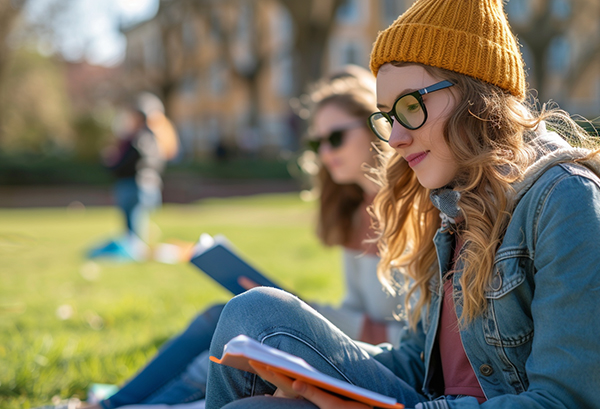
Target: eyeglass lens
381, 125
409, 112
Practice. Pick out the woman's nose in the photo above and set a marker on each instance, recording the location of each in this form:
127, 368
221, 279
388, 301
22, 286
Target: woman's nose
400, 136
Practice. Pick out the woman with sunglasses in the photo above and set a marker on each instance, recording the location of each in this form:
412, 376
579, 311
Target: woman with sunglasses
343, 143
344, 147
505, 310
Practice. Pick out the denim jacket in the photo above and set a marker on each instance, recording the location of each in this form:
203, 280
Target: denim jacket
538, 343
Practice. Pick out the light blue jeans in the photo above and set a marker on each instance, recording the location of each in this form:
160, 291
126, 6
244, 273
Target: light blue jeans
283, 321
136, 203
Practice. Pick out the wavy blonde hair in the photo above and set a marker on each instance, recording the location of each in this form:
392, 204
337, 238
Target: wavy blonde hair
489, 134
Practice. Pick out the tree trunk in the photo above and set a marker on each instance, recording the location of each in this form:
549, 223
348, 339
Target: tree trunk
538, 33
9, 13
313, 22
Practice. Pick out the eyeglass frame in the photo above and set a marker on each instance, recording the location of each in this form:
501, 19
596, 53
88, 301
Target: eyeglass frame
418, 94
342, 131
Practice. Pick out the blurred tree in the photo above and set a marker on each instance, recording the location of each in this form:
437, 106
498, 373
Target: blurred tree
36, 112
16, 31
9, 15
541, 23
586, 14
90, 136
246, 35
31, 86
246, 21
175, 61
34, 106
243, 32
313, 22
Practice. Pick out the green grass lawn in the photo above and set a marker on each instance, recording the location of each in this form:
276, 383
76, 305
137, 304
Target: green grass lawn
66, 322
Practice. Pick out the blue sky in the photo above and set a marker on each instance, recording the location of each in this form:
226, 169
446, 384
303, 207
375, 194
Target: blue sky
89, 29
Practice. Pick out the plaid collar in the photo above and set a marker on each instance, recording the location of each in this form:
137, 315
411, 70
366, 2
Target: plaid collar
446, 201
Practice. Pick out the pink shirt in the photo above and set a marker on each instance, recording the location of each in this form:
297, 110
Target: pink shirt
459, 377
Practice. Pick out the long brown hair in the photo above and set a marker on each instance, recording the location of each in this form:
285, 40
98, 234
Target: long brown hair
352, 89
488, 133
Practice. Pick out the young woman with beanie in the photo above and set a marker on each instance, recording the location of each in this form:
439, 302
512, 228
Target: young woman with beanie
505, 287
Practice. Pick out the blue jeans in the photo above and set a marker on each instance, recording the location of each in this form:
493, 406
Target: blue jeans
283, 321
174, 375
136, 203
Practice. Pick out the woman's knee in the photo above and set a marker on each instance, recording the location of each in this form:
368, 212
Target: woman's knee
260, 300
251, 313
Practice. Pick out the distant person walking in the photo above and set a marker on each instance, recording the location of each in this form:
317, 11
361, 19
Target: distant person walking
147, 139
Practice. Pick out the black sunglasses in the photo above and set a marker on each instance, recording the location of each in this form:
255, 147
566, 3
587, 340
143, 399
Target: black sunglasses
408, 109
335, 139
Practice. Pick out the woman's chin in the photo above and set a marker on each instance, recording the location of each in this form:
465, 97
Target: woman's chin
342, 179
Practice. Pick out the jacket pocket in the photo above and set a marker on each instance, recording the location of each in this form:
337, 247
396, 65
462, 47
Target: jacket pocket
507, 321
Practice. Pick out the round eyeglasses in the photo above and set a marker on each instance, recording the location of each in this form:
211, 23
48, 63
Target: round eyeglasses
408, 109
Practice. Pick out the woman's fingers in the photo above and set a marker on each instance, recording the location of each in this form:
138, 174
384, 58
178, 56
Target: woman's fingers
282, 382
293, 389
324, 400
246, 283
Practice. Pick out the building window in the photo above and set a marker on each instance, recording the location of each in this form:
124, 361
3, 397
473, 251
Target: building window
153, 52
282, 79
188, 35
188, 86
518, 11
217, 78
559, 55
561, 9
348, 12
214, 25
527, 59
352, 53
390, 10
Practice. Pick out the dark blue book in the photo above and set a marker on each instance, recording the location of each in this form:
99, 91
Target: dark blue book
216, 258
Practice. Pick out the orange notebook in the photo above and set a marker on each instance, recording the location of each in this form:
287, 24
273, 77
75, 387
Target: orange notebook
242, 349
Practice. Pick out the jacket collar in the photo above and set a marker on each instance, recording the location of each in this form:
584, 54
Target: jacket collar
551, 149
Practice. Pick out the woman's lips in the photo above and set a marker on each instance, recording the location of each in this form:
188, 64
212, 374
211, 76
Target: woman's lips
416, 158
334, 163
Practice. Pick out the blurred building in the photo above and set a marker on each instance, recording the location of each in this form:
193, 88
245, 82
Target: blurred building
561, 46
208, 93
90, 85
201, 57
225, 69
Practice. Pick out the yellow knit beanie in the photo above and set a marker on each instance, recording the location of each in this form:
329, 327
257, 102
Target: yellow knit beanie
471, 37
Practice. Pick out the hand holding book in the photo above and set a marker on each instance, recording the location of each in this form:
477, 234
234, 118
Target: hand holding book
217, 258
293, 389
246, 283
294, 377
